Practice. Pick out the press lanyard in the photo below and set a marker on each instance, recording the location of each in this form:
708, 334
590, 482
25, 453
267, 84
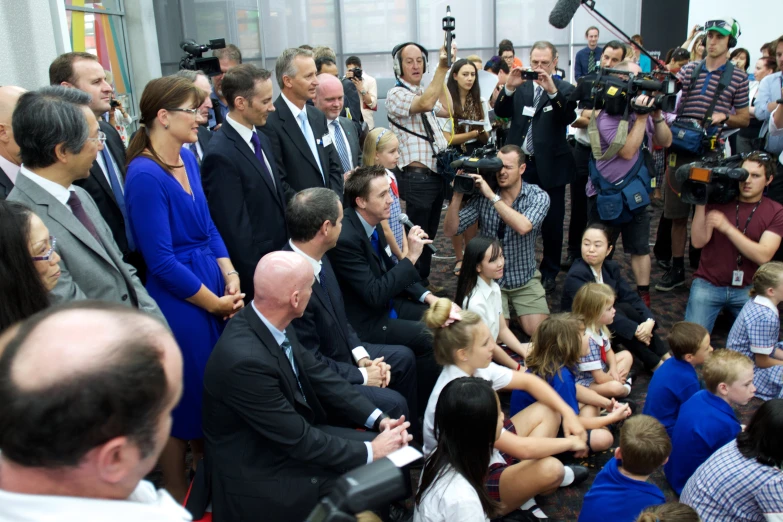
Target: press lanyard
739, 256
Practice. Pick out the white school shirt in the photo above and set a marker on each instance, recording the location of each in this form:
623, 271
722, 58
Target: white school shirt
450, 499
486, 300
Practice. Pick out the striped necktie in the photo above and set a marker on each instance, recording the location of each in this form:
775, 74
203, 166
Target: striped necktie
591, 61
529, 137
342, 149
289, 353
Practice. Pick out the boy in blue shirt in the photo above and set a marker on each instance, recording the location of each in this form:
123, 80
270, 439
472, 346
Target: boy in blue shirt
676, 381
707, 421
620, 491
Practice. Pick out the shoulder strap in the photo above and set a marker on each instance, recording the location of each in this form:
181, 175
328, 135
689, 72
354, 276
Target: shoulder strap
619, 138
725, 81
694, 76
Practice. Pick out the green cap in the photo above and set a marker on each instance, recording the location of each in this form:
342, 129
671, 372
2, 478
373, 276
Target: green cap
724, 26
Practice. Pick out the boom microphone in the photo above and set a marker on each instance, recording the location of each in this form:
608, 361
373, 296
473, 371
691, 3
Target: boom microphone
563, 12
408, 223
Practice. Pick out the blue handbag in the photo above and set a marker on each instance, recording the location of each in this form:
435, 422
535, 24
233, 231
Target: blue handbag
618, 203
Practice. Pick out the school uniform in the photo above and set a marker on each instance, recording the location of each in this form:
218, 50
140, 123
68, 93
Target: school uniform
672, 384
596, 359
706, 423
564, 383
756, 331
617, 498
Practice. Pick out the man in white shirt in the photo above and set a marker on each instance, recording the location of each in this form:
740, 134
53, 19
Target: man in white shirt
84, 419
367, 87
9, 150
329, 99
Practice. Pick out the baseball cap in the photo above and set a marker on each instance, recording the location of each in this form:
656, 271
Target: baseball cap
724, 26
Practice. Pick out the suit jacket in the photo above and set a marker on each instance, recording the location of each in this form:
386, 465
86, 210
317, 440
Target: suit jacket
353, 102
247, 207
6, 185
204, 137
349, 127
295, 162
90, 270
368, 283
554, 157
216, 109
324, 327
265, 455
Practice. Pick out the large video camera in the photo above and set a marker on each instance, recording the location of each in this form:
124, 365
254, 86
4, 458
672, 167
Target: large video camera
711, 181
193, 60
483, 161
614, 91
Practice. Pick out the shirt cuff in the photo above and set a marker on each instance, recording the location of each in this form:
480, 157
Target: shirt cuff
370, 422
508, 93
359, 353
369, 452
363, 371
552, 95
773, 129
424, 296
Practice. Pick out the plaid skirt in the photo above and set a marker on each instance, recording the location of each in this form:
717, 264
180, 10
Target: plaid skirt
495, 470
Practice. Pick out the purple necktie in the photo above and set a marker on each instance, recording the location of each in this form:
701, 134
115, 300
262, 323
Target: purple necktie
256, 141
78, 212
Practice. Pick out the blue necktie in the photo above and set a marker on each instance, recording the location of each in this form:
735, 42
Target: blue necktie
116, 188
289, 353
310, 139
342, 150
376, 245
325, 286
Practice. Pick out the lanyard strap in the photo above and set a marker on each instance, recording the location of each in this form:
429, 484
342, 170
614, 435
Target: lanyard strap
739, 256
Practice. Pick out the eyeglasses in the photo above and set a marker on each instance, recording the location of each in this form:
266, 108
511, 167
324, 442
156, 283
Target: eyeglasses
48, 255
192, 112
100, 139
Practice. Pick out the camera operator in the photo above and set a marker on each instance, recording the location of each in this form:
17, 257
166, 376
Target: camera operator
367, 87
412, 109
736, 237
698, 95
230, 56
514, 215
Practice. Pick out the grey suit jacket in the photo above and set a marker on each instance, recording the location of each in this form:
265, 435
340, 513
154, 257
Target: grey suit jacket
90, 270
349, 127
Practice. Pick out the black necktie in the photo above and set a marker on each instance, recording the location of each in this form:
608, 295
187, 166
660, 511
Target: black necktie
591, 61
322, 280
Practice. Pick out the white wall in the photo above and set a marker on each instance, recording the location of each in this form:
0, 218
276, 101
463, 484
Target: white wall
28, 42
759, 20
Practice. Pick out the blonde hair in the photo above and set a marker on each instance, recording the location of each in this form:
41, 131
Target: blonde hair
448, 339
556, 344
590, 302
724, 366
644, 443
767, 276
376, 141
669, 512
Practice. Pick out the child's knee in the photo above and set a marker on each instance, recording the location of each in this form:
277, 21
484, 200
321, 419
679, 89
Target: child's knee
601, 439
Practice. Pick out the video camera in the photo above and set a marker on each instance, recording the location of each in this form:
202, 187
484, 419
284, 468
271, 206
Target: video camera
483, 161
193, 60
711, 181
614, 94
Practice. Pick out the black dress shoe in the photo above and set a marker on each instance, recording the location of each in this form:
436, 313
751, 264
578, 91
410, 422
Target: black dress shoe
580, 474
566, 265
549, 285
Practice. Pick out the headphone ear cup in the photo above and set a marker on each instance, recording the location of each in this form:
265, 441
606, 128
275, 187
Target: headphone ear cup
732, 42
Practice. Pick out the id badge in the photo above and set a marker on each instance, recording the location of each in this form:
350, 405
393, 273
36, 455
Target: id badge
672, 159
529, 111
737, 277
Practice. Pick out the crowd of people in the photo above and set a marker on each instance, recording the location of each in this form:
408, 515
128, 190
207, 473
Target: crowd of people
233, 294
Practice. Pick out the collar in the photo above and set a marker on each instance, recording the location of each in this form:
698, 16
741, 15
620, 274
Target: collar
598, 337
416, 89
368, 228
452, 371
720, 404
764, 301
294, 109
329, 122
485, 289
245, 133
59, 192
277, 334
10, 169
599, 277
314, 263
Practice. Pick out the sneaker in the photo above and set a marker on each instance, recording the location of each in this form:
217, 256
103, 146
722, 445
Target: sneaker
664, 264
673, 278
645, 295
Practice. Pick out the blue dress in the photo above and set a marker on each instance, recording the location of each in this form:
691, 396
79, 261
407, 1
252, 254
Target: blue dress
180, 245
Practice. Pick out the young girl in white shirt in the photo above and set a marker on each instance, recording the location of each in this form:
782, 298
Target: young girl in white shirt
463, 344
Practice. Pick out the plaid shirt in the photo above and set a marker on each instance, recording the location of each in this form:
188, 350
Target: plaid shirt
593, 360
398, 109
756, 330
730, 486
519, 251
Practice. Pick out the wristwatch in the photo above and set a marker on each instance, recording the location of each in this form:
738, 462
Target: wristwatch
364, 92
780, 101
377, 424
496, 199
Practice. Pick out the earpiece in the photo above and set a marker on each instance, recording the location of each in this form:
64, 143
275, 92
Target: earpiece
736, 31
397, 57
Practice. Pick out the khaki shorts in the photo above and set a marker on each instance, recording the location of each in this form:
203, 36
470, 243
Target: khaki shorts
528, 299
673, 207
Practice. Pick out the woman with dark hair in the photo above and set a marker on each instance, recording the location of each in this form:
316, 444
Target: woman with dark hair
468, 421
28, 263
634, 324
478, 292
743, 479
190, 275
740, 58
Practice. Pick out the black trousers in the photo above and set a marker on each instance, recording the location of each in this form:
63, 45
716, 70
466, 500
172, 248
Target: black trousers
552, 227
651, 355
578, 200
401, 397
423, 190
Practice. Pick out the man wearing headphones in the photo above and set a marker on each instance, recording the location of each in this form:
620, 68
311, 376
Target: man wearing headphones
412, 110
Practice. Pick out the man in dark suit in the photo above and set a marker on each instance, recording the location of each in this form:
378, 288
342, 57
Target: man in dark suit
326, 63
540, 114
379, 372
10, 160
230, 56
301, 143
106, 182
240, 177
329, 99
278, 423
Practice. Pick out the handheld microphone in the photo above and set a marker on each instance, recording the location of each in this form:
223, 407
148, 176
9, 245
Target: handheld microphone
563, 12
408, 223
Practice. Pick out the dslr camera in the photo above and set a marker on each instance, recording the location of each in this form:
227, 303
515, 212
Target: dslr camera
483, 161
614, 91
711, 181
193, 60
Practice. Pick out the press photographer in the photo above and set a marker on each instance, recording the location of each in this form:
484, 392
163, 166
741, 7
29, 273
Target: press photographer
737, 237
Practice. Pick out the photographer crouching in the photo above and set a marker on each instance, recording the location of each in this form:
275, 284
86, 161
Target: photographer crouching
736, 237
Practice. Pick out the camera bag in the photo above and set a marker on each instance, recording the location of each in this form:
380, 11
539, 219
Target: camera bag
618, 203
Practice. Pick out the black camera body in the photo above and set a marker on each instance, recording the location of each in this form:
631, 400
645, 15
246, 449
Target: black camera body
529, 74
482, 161
615, 94
711, 181
357, 73
193, 60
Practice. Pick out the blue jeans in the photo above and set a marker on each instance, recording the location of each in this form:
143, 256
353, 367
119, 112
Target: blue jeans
706, 302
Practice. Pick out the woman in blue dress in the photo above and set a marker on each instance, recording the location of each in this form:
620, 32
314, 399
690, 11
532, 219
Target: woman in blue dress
189, 272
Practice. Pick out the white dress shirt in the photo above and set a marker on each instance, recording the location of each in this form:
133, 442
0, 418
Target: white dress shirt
486, 301
57, 191
247, 135
295, 111
10, 169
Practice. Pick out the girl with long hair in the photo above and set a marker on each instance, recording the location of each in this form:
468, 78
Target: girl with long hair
478, 291
28, 263
190, 275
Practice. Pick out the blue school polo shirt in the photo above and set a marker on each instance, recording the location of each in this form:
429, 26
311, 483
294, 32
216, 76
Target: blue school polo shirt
617, 498
565, 386
672, 384
706, 423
